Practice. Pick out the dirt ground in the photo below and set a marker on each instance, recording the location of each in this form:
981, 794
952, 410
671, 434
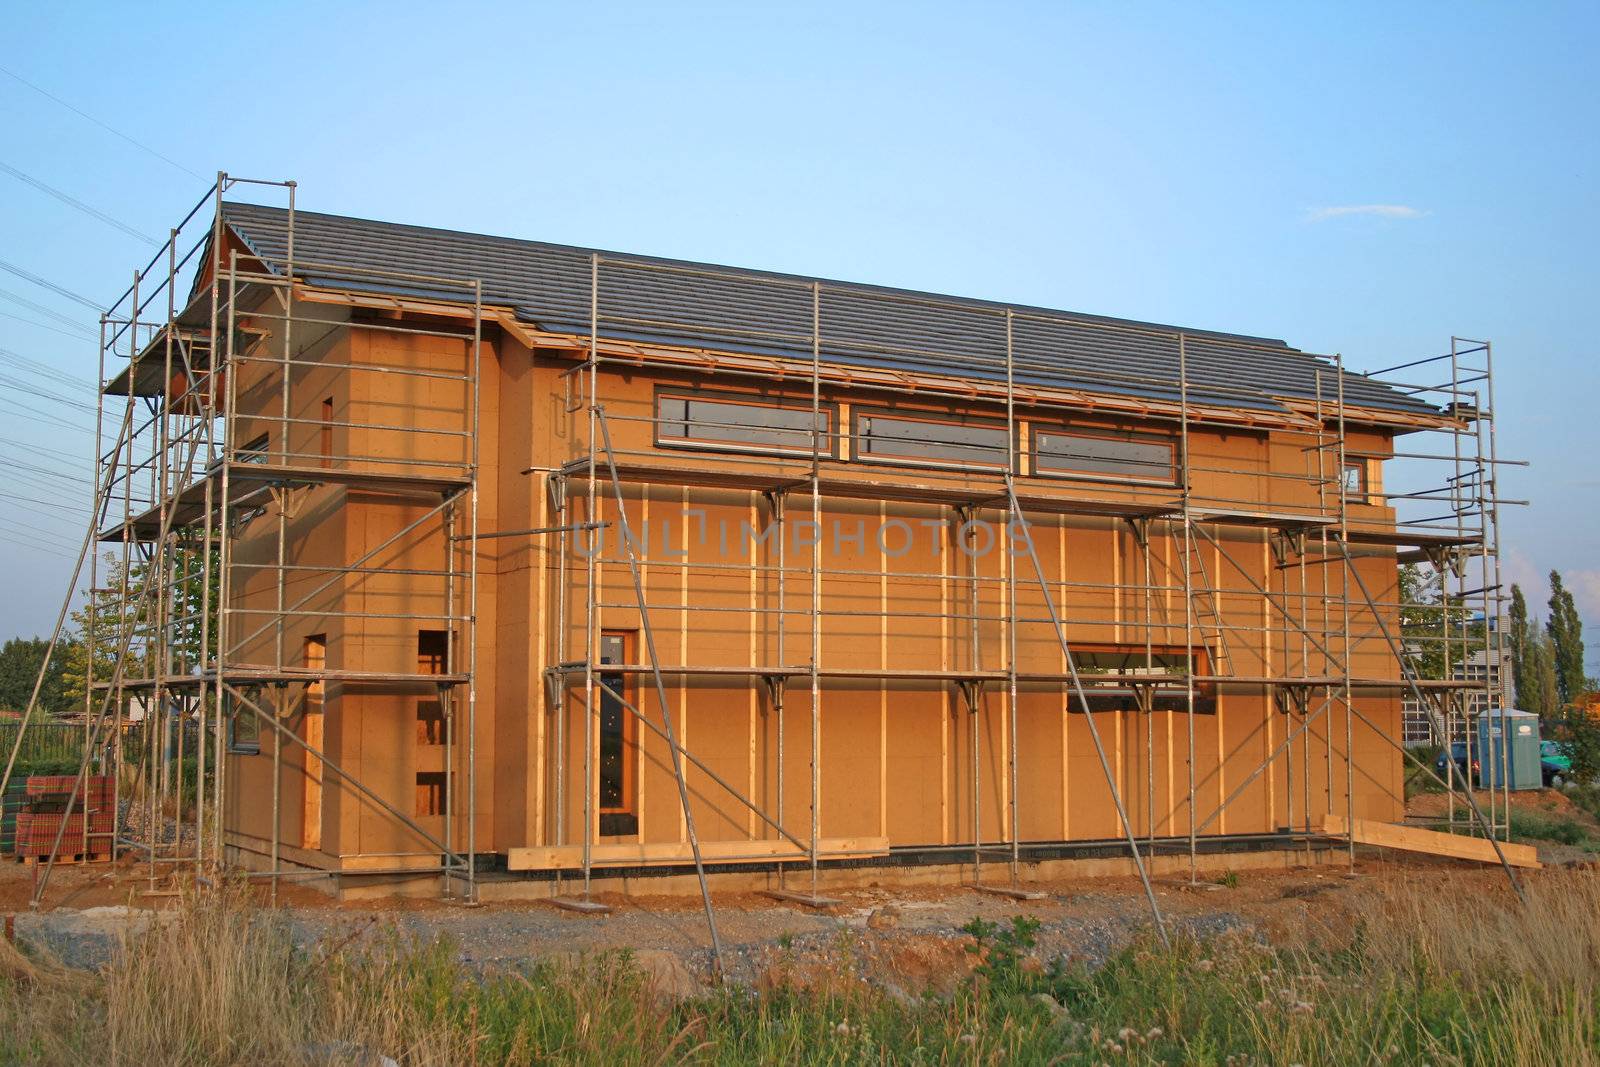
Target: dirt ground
903, 938
1432, 809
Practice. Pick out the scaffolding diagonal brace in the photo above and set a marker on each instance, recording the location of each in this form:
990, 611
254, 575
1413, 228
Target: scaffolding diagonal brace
1083, 701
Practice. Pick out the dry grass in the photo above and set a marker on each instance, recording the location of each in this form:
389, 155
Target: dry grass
1435, 973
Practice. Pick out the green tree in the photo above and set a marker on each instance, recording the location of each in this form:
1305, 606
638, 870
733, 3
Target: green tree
108, 614
102, 620
1565, 631
1537, 689
1519, 633
20, 659
1581, 733
1432, 622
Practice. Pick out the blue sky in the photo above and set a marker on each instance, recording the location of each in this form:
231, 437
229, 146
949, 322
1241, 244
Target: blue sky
1171, 162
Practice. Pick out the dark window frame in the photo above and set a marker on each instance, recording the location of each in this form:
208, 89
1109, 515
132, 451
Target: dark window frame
1044, 470
862, 455
1361, 492
435, 786
433, 657
325, 432
620, 819
1122, 695
256, 450
828, 409
237, 745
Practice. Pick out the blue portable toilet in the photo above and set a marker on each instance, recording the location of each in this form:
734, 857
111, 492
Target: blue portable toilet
1519, 765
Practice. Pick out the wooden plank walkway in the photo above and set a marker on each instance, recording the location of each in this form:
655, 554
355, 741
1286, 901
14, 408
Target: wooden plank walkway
1432, 842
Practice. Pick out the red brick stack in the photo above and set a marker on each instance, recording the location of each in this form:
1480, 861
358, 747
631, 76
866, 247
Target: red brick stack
44, 810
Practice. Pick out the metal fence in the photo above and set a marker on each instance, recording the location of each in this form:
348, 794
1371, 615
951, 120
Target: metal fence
44, 742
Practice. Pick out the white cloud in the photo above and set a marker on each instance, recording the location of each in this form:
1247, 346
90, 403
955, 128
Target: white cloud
1518, 569
1585, 586
1382, 211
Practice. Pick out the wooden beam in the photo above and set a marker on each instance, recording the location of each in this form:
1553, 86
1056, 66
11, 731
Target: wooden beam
632, 854
1413, 839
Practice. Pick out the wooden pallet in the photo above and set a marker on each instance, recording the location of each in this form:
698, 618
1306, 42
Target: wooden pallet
66, 859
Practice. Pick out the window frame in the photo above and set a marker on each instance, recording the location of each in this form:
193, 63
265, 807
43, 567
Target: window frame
1043, 470
1361, 493
829, 410
238, 746
433, 785
431, 730
325, 433
256, 451
860, 451
1123, 694
627, 812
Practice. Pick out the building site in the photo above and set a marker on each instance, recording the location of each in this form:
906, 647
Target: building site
474, 567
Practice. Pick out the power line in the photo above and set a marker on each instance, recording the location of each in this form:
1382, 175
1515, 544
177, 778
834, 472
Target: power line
80, 334
19, 385
74, 520
11, 387
52, 286
19, 468
44, 370
57, 505
53, 548
40, 450
109, 129
7, 522
40, 308
35, 547
48, 420
26, 523
7, 525
28, 482
79, 204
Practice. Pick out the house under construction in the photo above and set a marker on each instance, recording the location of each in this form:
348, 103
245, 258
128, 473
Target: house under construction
487, 566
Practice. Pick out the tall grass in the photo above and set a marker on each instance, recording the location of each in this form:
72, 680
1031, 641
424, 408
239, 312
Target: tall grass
1441, 974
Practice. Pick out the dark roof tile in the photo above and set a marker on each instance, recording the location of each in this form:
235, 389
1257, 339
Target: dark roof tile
645, 298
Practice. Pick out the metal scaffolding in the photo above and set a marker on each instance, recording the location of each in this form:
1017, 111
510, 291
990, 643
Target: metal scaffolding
1321, 612
212, 460
207, 351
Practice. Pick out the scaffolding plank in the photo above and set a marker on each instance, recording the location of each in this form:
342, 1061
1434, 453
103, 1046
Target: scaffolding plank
974, 491
1110, 683
1401, 537
245, 479
636, 854
285, 675
1431, 842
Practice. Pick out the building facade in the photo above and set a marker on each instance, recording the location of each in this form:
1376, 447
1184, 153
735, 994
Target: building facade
533, 559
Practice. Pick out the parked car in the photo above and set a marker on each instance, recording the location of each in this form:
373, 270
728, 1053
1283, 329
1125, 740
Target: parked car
1458, 753
1555, 763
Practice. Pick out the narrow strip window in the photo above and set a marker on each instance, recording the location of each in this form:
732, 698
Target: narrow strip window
619, 748
899, 438
688, 421
1117, 457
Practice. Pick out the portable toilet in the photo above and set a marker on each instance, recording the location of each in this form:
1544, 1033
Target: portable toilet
1519, 764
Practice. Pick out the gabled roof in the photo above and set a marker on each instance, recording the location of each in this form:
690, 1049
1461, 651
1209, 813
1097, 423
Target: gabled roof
643, 298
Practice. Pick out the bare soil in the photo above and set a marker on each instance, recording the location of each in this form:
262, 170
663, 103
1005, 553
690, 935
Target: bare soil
914, 943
